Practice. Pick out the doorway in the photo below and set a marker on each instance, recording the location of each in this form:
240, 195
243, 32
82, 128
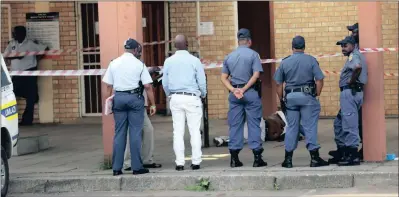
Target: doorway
257, 16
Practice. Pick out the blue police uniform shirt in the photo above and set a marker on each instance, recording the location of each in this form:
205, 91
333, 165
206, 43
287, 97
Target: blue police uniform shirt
297, 70
241, 64
354, 59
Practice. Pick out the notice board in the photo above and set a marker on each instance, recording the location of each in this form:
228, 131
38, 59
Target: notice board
45, 28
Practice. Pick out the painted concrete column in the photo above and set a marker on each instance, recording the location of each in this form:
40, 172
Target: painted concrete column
117, 22
46, 109
374, 128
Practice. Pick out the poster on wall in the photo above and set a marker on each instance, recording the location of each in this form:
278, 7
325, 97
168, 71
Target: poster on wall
45, 28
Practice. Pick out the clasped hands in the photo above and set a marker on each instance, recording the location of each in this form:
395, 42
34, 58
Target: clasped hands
238, 93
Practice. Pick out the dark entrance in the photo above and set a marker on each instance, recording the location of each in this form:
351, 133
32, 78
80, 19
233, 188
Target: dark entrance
257, 17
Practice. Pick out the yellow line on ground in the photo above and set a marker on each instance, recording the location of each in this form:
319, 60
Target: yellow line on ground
356, 195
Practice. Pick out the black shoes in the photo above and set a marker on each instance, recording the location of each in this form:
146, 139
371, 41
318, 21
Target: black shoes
336, 155
258, 161
234, 160
287, 163
351, 157
116, 173
193, 167
141, 171
316, 161
179, 168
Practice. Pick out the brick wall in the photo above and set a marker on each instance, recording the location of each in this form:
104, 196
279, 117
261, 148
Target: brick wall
65, 91
390, 39
183, 21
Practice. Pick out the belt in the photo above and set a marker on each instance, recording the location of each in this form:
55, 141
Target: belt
294, 90
184, 93
241, 86
358, 88
134, 91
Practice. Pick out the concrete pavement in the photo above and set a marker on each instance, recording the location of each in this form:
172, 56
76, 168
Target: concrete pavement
73, 163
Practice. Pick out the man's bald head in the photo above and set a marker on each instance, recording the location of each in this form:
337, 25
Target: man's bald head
181, 42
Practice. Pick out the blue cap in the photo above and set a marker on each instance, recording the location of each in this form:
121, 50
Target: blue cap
354, 27
346, 40
131, 44
244, 33
298, 42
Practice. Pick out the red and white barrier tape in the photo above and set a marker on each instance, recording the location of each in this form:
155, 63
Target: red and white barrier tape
92, 72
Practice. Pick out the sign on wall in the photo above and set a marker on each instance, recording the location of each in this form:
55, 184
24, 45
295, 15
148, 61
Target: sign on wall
206, 28
45, 28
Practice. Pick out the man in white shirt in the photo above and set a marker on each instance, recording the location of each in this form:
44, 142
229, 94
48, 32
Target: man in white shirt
25, 86
148, 140
127, 75
184, 81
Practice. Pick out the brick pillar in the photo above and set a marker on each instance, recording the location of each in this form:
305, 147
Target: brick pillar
374, 129
118, 21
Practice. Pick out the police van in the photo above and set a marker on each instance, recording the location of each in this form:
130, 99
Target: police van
9, 125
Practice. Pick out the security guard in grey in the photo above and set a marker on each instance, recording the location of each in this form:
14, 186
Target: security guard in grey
303, 80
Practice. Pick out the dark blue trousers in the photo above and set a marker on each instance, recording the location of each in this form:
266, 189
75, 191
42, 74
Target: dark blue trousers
249, 107
128, 112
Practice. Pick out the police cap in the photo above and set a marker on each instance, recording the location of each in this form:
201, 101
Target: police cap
354, 27
346, 40
298, 42
244, 33
132, 44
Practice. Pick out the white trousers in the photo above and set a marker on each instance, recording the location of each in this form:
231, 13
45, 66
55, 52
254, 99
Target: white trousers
147, 147
190, 107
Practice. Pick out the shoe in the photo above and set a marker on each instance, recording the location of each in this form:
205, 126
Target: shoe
315, 160
195, 167
258, 161
337, 155
128, 169
141, 171
179, 168
116, 173
351, 157
287, 163
153, 165
234, 160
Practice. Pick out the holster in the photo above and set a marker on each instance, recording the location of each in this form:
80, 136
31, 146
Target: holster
141, 88
258, 87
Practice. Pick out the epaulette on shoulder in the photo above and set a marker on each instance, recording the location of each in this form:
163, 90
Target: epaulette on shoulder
286, 57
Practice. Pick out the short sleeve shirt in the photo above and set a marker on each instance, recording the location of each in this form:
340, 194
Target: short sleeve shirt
241, 64
297, 70
354, 59
125, 72
26, 62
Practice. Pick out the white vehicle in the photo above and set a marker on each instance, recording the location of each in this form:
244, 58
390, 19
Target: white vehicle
9, 125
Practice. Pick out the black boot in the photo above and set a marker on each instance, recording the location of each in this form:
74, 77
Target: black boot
337, 155
351, 157
258, 161
235, 161
288, 160
316, 161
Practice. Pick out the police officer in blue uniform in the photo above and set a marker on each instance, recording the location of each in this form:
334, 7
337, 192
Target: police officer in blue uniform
336, 154
243, 65
346, 128
129, 77
304, 82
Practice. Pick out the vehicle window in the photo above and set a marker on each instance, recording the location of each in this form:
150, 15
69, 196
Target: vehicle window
4, 79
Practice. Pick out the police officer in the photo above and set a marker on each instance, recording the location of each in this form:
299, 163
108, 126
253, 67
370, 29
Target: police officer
243, 66
352, 79
128, 76
299, 72
25, 86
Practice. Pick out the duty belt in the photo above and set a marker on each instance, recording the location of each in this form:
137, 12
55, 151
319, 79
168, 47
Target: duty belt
184, 93
241, 86
304, 89
354, 87
134, 91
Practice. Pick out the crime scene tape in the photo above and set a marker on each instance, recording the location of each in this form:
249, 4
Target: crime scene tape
206, 63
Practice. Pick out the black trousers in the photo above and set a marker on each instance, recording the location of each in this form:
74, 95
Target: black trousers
26, 87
